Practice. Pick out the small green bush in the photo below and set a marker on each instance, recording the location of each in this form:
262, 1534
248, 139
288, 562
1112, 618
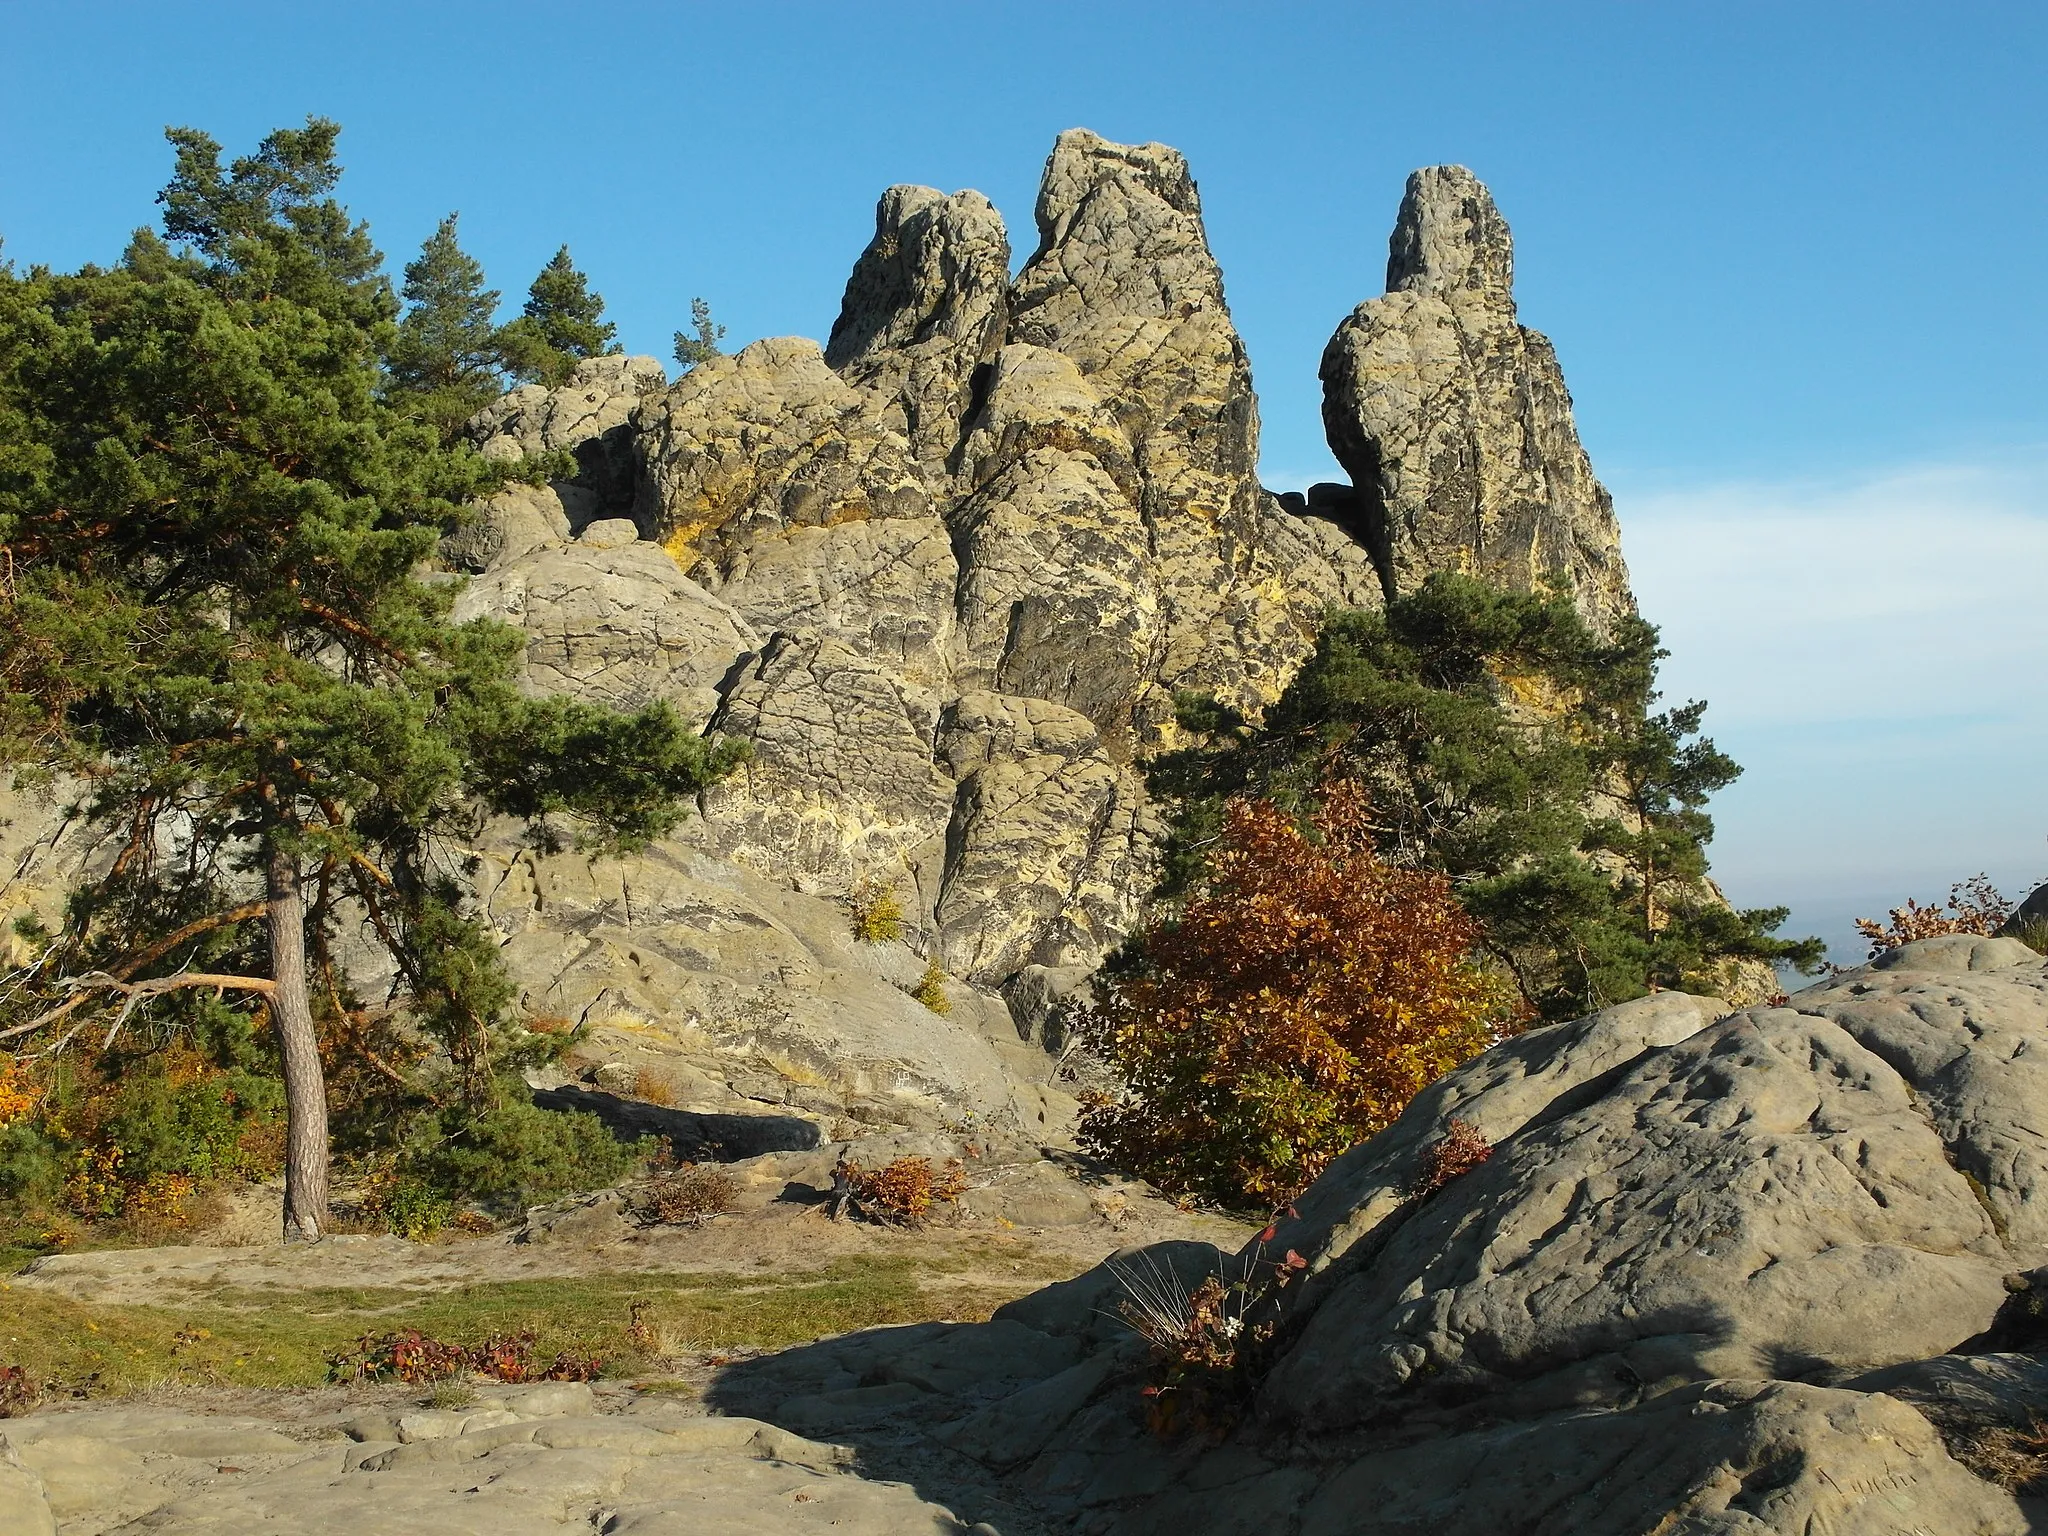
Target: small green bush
517, 1155
166, 1123
416, 1211
31, 1165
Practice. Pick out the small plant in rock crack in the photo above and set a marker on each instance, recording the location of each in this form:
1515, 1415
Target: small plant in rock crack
1463, 1148
877, 914
902, 1193
1207, 1342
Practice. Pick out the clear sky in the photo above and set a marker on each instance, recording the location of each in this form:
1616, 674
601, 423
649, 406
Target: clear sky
1791, 256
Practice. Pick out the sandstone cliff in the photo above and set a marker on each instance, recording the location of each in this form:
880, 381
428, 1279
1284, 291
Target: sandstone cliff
1453, 419
947, 573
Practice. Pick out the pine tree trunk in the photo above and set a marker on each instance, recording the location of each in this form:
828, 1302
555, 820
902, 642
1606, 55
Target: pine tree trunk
305, 1087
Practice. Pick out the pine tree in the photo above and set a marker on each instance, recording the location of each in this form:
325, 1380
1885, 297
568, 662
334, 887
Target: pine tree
563, 323
212, 518
447, 358
699, 344
1511, 749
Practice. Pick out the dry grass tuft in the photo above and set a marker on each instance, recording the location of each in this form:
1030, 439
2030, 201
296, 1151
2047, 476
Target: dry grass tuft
654, 1088
690, 1196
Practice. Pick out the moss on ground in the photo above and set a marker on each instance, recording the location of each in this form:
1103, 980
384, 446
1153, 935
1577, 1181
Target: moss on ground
286, 1338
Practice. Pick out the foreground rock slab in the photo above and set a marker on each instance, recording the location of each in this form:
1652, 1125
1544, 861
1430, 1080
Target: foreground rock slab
1770, 1270
520, 1460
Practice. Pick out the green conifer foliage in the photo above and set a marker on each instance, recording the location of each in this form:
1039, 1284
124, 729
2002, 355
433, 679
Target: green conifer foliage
212, 515
1506, 746
699, 344
563, 323
447, 357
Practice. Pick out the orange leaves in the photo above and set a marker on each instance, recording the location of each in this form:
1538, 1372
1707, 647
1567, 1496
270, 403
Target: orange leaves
1307, 992
17, 1095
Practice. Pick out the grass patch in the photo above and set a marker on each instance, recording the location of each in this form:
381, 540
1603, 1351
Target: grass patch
281, 1338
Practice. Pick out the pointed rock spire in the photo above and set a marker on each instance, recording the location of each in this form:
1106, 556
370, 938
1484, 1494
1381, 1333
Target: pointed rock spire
1451, 241
1454, 422
924, 308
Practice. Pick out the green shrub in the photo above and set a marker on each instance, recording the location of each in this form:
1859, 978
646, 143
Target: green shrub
416, 1211
167, 1122
31, 1165
516, 1155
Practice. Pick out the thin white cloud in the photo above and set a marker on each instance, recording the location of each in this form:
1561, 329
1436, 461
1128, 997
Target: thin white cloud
1876, 654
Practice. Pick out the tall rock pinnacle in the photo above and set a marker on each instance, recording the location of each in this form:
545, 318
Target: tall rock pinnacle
1454, 422
924, 308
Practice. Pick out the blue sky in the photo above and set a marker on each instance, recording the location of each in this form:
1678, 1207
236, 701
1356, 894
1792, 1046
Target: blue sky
1790, 255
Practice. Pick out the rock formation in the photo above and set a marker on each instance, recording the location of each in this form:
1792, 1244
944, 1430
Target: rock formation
947, 573
1453, 419
924, 312
1760, 1271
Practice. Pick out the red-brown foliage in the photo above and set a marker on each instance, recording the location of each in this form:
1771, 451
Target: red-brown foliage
900, 1193
1304, 995
417, 1358
1974, 906
1462, 1149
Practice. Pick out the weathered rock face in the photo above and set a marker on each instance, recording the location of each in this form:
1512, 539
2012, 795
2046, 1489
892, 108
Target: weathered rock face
946, 574
1123, 284
1714, 1268
983, 537
1453, 419
924, 310
589, 417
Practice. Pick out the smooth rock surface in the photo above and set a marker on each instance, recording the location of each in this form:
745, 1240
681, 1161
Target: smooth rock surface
495, 1472
1722, 1272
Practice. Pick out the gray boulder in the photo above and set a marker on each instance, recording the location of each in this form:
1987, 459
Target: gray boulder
1454, 422
1748, 1272
610, 618
589, 417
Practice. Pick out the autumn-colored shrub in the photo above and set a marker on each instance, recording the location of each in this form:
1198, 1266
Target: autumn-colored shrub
877, 914
1974, 907
931, 988
689, 1196
900, 1193
417, 1359
1462, 1149
18, 1094
1302, 996
654, 1087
